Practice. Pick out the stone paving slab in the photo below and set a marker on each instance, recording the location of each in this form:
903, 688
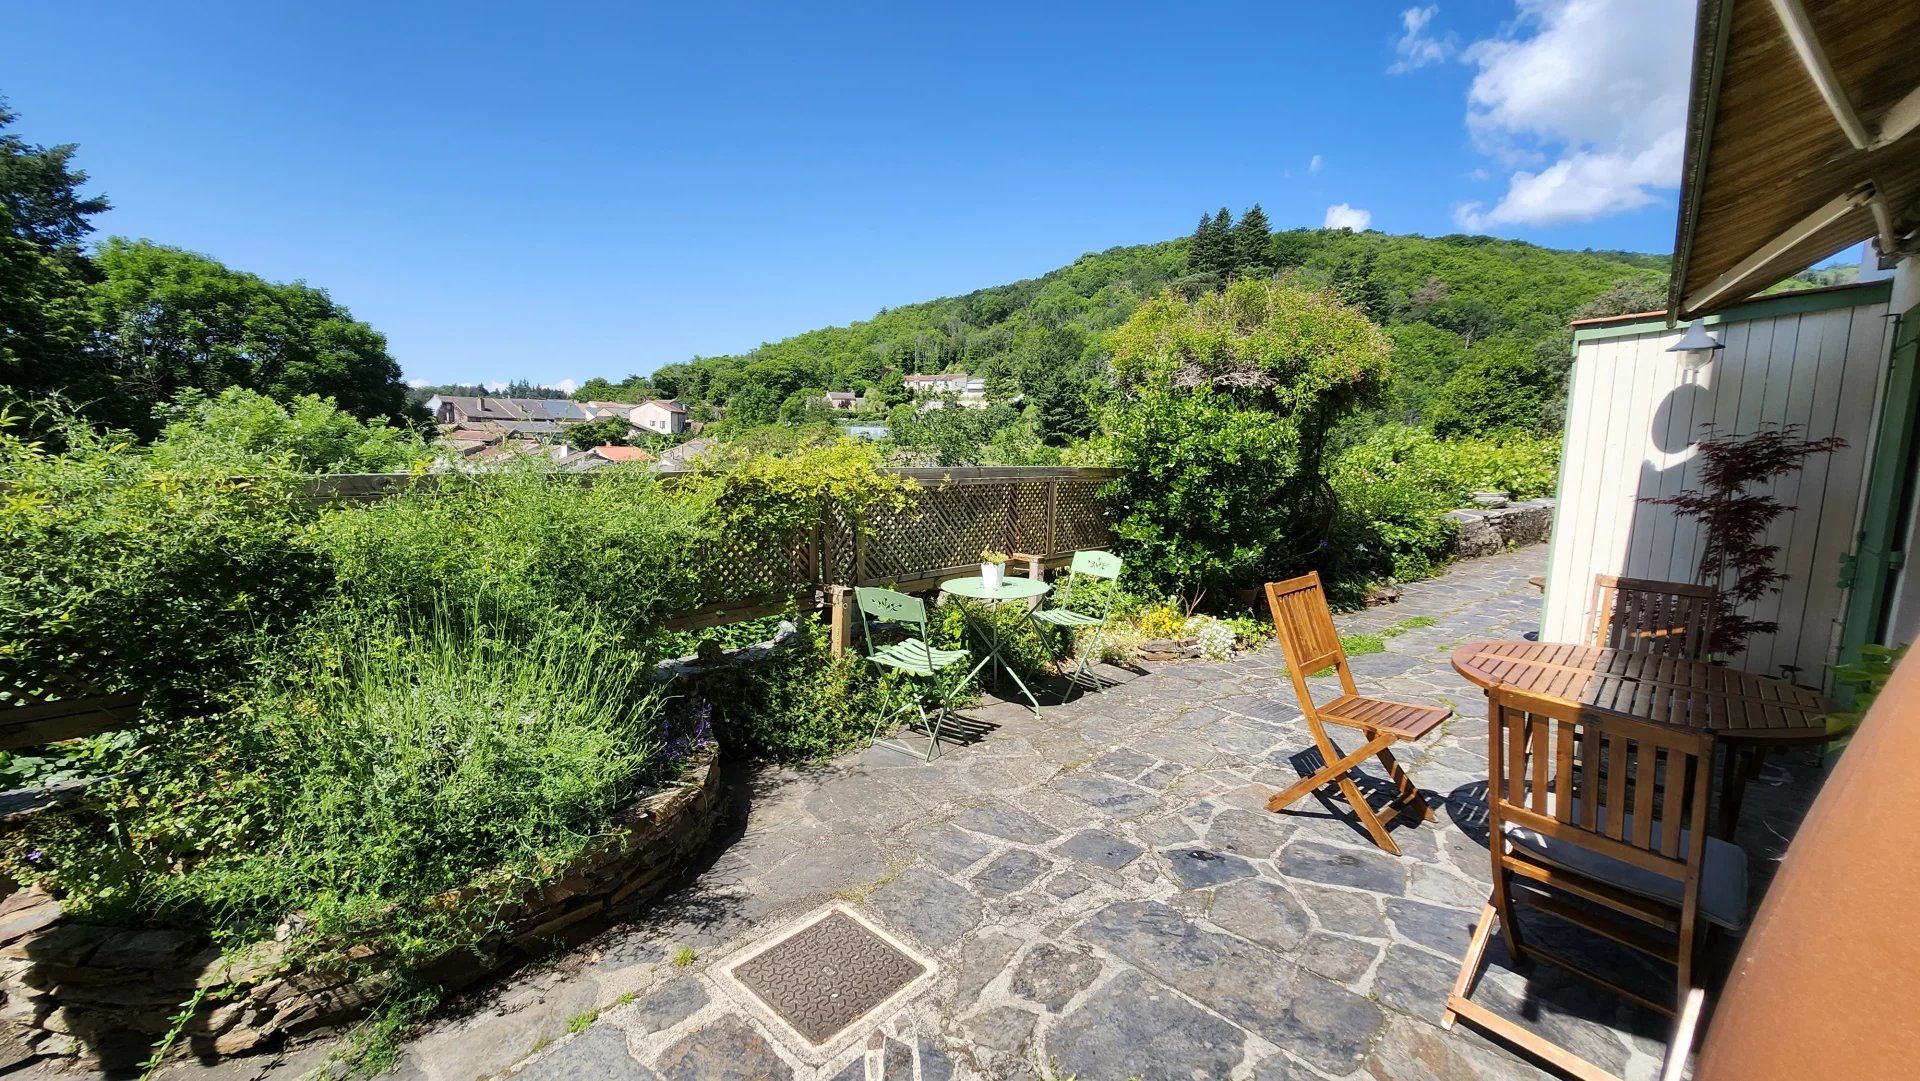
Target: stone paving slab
1102, 895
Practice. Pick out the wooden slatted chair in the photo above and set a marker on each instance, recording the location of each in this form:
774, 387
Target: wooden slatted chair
1605, 817
1668, 619
1310, 642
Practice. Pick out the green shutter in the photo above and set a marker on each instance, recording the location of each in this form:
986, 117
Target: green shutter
1867, 571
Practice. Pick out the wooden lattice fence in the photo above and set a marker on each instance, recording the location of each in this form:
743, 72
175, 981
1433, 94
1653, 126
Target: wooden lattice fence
1042, 515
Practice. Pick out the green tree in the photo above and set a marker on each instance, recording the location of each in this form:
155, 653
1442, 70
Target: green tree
891, 390
675, 381
1212, 247
597, 433
1628, 296
171, 320
753, 405
1252, 243
1424, 358
1354, 283
1502, 387
596, 389
995, 435
44, 272
1057, 379
1220, 433
239, 431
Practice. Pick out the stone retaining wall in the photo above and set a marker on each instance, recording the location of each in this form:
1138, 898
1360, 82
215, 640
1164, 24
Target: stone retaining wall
1483, 531
103, 996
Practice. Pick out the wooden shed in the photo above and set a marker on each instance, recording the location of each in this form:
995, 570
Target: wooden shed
1816, 359
1803, 139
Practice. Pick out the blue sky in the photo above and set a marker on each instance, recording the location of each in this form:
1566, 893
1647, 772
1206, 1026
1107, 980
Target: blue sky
558, 191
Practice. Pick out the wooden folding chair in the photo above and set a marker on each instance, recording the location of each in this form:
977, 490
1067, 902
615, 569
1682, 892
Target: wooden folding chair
1605, 817
1668, 619
1310, 643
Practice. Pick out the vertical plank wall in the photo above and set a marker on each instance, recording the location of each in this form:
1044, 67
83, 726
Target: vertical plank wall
1635, 409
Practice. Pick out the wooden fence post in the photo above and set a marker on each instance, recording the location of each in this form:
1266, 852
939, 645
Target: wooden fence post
841, 619
1053, 507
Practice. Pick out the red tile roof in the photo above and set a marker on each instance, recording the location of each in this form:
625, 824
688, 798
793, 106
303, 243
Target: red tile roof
622, 454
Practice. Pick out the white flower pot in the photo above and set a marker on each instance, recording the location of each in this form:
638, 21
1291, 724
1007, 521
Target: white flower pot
992, 574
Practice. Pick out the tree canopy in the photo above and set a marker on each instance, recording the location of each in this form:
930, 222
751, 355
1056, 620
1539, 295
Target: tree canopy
168, 320
44, 272
126, 328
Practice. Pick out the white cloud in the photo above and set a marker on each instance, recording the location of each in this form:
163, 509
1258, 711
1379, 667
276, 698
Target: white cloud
1316, 164
416, 383
1585, 100
1416, 48
496, 386
1342, 216
568, 385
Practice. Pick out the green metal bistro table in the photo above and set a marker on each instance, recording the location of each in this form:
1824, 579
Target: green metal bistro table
1011, 589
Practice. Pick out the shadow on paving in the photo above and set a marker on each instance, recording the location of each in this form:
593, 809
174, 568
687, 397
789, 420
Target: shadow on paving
1102, 893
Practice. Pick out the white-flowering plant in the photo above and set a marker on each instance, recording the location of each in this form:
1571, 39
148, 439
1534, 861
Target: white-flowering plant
1214, 639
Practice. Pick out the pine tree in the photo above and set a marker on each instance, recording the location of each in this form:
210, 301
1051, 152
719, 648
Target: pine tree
1252, 244
1212, 250
1200, 250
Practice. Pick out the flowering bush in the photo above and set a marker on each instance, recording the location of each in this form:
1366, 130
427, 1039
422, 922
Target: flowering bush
1214, 639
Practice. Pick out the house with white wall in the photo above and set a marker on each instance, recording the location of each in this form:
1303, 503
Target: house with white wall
663, 416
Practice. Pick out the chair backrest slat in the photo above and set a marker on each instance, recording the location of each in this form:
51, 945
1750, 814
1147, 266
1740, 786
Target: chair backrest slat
1305, 628
1095, 564
889, 606
1646, 772
1564, 793
1599, 779
1668, 619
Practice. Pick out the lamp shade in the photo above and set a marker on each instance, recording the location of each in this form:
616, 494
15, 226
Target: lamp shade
1695, 340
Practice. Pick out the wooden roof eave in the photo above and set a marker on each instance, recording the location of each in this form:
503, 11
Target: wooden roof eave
1797, 146
1703, 99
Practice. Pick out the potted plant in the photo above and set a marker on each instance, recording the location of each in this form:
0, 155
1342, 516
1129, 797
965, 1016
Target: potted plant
993, 568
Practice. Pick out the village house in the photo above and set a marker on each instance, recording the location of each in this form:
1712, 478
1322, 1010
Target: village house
664, 416
936, 390
462, 411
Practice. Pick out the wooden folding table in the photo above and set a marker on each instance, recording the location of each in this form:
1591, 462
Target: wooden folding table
1746, 712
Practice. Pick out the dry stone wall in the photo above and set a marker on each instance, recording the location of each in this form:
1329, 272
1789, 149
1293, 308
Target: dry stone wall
101, 997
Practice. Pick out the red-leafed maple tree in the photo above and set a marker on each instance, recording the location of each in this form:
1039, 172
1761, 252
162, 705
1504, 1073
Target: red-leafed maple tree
1736, 561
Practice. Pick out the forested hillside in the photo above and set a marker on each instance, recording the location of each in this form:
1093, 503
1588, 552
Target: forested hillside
1497, 309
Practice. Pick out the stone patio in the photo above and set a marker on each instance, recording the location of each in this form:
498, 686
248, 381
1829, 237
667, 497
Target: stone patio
1103, 896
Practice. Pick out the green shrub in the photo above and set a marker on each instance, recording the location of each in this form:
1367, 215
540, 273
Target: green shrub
1218, 437
1502, 387
117, 569
1394, 489
1522, 466
385, 764
522, 544
243, 431
803, 704
1200, 478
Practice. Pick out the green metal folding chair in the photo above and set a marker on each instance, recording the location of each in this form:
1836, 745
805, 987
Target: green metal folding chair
914, 655
1103, 566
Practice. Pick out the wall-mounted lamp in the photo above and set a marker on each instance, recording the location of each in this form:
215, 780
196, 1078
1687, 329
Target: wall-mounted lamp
1697, 344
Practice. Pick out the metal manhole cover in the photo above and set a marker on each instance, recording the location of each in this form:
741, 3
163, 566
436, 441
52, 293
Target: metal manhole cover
827, 975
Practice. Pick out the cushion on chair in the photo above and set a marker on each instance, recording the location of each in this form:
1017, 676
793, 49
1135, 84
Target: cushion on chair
1065, 617
917, 657
1407, 721
1723, 875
